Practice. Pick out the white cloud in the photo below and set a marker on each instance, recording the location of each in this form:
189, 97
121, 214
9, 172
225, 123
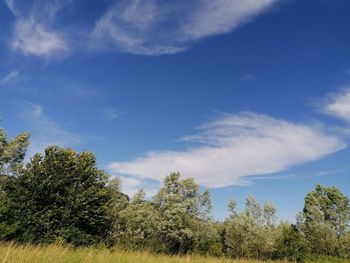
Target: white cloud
234, 147
45, 131
33, 38
32, 32
154, 27
11, 76
130, 185
338, 104
148, 27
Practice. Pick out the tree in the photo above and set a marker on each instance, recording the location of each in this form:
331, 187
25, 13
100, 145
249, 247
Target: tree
61, 194
291, 244
180, 204
140, 221
252, 232
345, 246
118, 202
12, 153
326, 216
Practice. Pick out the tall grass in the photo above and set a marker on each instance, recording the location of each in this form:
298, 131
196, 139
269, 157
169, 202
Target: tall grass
12, 253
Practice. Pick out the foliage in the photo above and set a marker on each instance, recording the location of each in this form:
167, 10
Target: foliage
60, 194
291, 244
140, 223
325, 220
12, 153
180, 206
252, 232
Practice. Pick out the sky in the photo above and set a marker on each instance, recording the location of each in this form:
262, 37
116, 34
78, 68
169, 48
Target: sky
244, 96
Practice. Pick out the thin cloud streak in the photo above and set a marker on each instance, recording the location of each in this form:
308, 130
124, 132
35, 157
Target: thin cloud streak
154, 27
234, 147
10, 77
297, 175
45, 131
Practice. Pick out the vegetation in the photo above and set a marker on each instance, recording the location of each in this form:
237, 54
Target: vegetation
10, 253
62, 197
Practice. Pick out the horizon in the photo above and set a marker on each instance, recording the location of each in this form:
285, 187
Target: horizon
257, 100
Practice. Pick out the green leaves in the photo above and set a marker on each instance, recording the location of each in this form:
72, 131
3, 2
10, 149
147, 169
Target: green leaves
326, 216
61, 194
181, 206
250, 233
12, 152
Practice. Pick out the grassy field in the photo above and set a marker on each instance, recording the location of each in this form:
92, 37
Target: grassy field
10, 253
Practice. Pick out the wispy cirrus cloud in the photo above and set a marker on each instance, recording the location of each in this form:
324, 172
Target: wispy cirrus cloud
147, 27
10, 77
234, 147
338, 104
155, 27
33, 32
45, 131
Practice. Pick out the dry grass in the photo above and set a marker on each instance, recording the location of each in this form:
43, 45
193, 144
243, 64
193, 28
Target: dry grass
11, 253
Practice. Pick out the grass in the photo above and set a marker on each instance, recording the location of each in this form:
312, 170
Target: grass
11, 253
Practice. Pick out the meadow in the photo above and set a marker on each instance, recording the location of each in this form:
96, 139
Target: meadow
13, 253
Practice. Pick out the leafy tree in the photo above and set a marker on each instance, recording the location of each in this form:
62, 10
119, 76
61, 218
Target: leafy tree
140, 221
12, 153
240, 231
345, 246
291, 244
61, 194
252, 232
326, 216
206, 238
118, 202
180, 204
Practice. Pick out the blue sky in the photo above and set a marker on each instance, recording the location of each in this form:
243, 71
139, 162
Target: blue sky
244, 96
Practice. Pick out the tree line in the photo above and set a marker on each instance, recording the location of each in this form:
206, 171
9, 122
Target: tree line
62, 196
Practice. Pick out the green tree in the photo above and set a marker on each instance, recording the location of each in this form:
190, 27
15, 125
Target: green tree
326, 216
180, 204
252, 232
12, 153
118, 202
291, 244
345, 246
61, 194
140, 221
